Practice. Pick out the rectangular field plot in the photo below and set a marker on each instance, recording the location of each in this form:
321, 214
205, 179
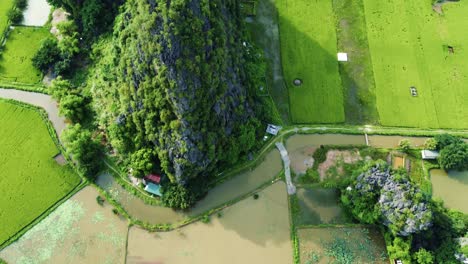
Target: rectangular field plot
420, 61
308, 51
30, 179
341, 245
21, 46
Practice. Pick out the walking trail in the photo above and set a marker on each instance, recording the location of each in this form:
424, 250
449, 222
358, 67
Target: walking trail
287, 169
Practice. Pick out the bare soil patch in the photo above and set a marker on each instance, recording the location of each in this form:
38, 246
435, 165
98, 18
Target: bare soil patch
335, 159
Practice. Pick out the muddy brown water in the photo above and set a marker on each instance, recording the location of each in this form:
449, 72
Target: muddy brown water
392, 141
239, 185
320, 206
78, 231
251, 231
451, 187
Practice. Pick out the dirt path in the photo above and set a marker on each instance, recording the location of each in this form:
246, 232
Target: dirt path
287, 169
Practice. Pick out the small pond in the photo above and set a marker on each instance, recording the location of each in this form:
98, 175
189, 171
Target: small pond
452, 188
320, 206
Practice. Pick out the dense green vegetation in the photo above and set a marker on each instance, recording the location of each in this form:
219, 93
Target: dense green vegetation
308, 50
93, 17
453, 152
30, 179
409, 46
184, 88
21, 46
418, 228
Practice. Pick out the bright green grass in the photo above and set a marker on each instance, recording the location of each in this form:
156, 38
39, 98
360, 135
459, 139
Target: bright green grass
308, 47
5, 6
21, 46
30, 179
406, 40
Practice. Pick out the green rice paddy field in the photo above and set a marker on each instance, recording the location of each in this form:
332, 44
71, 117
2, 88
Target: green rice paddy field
408, 42
21, 46
407, 45
30, 179
308, 52
5, 6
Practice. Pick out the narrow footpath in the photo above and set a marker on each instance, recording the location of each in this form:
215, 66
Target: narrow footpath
287, 169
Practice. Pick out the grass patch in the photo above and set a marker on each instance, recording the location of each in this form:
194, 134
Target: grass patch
5, 6
408, 41
15, 61
30, 179
308, 50
342, 245
357, 75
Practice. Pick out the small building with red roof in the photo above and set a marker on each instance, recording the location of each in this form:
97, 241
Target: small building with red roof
154, 178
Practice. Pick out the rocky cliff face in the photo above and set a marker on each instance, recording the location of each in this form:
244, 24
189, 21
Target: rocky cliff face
172, 78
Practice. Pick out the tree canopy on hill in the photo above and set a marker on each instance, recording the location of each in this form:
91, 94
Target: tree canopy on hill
178, 77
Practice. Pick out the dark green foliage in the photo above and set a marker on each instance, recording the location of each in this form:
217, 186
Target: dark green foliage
3, 262
320, 155
100, 200
47, 55
21, 4
443, 140
177, 79
440, 238
176, 196
84, 149
72, 104
255, 196
454, 157
91, 16
15, 15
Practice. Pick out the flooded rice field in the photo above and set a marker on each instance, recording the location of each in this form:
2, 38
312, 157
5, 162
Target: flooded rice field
36, 13
242, 184
78, 231
452, 188
392, 141
320, 206
251, 231
239, 185
342, 245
